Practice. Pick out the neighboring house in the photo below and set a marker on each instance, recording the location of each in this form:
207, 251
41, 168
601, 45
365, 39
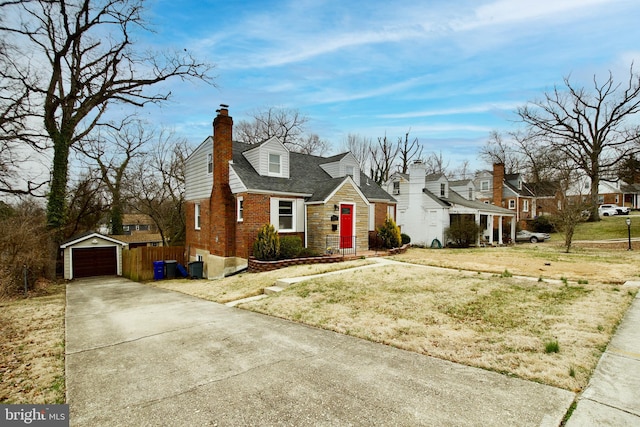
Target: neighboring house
137, 230
138, 223
232, 189
631, 195
507, 191
429, 203
610, 191
137, 240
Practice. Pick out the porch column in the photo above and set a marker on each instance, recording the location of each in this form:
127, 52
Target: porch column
500, 242
490, 228
478, 224
513, 231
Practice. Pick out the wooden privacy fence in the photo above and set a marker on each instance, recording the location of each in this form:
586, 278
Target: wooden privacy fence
137, 264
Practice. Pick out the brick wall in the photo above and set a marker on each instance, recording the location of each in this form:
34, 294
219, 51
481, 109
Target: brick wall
222, 203
498, 182
197, 239
256, 214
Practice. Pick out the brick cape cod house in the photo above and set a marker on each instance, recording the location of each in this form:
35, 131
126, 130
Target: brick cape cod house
232, 189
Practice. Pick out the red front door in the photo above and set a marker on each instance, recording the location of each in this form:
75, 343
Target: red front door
346, 226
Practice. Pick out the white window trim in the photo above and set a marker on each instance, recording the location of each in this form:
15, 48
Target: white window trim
512, 204
197, 218
484, 184
210, 163
240, 209
525, 206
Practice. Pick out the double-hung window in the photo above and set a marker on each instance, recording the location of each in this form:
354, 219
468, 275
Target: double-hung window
285, 215
240, 209
274, 164
197, 217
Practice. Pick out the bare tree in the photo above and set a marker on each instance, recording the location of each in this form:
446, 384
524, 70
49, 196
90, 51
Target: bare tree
87, 203
360, 147
498, 150
590, 127
158, 186
571, 207
383, 157
88, 60
310, 144
408, 151
436, 163
16, 136
463, 170
113, 149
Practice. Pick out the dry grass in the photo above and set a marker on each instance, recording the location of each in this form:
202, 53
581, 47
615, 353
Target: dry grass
544, 260
247, 284
493, 322
32, 348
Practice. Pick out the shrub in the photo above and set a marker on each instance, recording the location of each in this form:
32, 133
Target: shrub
267, 244
463, 232
405, 239
23, 242
290, 247
542, 224
389, 234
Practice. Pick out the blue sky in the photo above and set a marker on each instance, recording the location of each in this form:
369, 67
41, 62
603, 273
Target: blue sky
449, 72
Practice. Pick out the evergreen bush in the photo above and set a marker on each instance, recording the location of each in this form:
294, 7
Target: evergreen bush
267, 244
389, 234
405, 238
290, 247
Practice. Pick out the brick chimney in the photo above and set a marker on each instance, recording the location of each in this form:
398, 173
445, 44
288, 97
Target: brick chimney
498, 183
222, 203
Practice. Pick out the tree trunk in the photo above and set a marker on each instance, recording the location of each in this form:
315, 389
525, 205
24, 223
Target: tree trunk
57, 204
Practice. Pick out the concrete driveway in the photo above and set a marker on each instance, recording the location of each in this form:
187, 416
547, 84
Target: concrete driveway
137, 355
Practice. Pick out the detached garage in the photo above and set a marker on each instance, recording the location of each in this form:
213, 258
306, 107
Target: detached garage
92, 254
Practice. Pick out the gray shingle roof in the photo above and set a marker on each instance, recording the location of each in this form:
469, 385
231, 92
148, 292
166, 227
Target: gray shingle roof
306, 177
457, 199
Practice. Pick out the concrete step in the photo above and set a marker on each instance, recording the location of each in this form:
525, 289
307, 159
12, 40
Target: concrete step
273, 290
240, 301
285, 283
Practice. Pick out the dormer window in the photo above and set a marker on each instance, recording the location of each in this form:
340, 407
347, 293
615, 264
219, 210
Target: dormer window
349, 171
274, 164
396, 187
484, 185
470, 193
443, 188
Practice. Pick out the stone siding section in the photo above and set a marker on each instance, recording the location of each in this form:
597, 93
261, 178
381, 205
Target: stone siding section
319, 220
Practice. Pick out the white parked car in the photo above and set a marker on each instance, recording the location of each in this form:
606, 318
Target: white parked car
620, 210
528, 236
607, 210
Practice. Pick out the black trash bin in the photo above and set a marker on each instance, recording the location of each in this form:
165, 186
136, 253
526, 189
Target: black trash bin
158, 270
195, 269
170, 268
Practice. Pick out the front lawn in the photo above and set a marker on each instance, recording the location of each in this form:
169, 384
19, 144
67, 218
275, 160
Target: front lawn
32, 348
495, 322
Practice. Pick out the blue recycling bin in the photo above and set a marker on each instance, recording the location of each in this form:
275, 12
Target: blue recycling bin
158, 270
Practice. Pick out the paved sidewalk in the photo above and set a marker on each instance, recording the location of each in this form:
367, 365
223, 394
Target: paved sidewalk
612, 397
139, 355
